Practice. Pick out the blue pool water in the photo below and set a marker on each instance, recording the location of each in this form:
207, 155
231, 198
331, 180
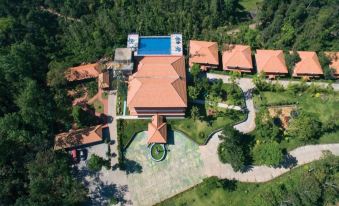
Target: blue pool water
154, 46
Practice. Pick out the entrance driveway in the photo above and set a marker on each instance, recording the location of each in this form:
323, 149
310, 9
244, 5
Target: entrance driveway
151, 182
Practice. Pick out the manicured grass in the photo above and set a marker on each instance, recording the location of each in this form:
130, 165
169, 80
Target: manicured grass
104, 95
128, 127
198, 130
325, 107
274, 98
250, 5
232, 193
157, 151
98, 106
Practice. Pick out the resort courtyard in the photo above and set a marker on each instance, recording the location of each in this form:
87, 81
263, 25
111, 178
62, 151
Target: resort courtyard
151, 182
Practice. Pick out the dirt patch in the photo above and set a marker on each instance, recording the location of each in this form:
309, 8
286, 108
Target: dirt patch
283, 113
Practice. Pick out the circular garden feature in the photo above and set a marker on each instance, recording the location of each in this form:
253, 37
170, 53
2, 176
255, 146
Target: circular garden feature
157, 152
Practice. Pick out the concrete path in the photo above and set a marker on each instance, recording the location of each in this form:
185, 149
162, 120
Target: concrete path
299, 156
246, 86
282, 82
221, 105
116, 176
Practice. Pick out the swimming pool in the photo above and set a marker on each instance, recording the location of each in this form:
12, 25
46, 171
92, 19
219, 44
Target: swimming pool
154, 45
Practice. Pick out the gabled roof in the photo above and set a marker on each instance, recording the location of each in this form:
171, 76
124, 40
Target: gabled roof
271, 61
203, 52
78, 137
160, 81
334, 57
82, 72
309, 64
157, 130
237, 56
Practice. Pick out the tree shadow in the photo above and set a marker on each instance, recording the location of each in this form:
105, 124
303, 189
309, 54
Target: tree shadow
170, 136
132, 166
289, 161
103, 192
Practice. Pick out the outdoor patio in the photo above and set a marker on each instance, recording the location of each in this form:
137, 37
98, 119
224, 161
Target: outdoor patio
151, 182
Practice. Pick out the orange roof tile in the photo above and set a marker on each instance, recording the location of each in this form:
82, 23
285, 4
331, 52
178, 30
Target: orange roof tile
159, 82
271, 61
203, 52
237, 56
157, 130
309, 64
334, 57
82, 72
78, 137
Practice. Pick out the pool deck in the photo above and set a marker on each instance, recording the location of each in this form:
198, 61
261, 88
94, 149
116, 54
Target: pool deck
175, 47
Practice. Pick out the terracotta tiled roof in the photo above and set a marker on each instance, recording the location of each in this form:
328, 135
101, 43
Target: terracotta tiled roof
203, 52
82, 72
78, 137
157, 130
271, 61
309, 64
334, 57
237, 56
160, 82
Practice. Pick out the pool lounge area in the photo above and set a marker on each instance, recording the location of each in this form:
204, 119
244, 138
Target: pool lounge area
155, 45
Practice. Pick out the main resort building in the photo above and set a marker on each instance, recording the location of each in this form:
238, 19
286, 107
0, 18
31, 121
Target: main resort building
158, 85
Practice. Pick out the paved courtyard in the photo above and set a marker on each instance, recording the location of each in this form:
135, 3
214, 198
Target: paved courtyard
151, 182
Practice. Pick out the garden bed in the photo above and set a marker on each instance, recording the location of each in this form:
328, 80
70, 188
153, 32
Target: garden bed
157, 152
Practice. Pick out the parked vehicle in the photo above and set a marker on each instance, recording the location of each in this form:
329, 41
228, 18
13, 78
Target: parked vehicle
83, 154
74, 155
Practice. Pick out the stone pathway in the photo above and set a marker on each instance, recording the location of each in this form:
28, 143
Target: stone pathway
151, 182
221, 105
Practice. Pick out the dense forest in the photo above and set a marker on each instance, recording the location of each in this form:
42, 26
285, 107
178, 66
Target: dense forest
39, 39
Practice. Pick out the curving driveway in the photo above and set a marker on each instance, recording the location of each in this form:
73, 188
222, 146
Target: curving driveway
298, 156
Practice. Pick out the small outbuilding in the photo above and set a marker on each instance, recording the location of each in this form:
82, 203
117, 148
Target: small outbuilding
204, 53
308, 66
237, 58
271, 62
157, 130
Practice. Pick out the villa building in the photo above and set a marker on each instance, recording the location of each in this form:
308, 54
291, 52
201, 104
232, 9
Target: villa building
271, 62
237, 58
79, 137
308, 66
204, 53
158, 87
82, 72
334, 57
157, 130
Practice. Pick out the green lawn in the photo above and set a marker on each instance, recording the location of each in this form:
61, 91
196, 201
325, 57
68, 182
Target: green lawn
199, 130
225, 192
250, 5
325, 107
98, 106
127, 128
104, 95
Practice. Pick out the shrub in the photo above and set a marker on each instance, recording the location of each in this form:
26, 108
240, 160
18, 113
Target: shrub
231, 150
268, 153
305, 127
95, 163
